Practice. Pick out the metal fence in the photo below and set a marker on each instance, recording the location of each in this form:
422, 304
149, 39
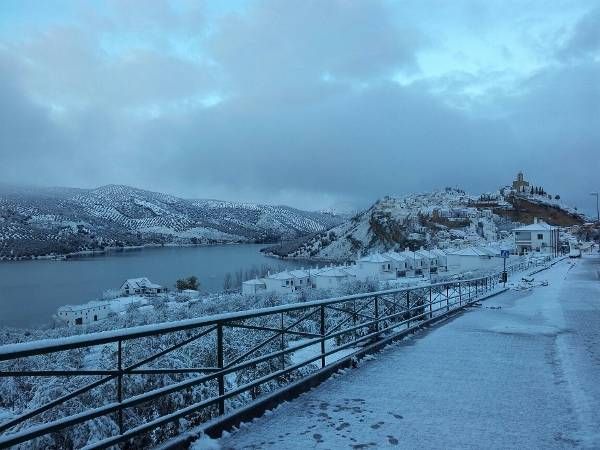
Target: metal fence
265, 338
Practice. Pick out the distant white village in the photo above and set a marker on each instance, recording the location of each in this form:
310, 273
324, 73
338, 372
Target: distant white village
538, 238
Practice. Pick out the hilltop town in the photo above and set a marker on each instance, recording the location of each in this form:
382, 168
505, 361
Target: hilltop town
449, 218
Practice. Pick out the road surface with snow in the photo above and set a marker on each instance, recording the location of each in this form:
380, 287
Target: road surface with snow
520, 371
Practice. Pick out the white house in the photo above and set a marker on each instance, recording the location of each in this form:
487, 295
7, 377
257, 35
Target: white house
442, 259
140, 286
282, 282
251, 287
376, 266
84, 314
433, 261
399, 263
333, 277
537, 237
430, 260
302, 278
289, 281
474, 258
95, 311
416, 263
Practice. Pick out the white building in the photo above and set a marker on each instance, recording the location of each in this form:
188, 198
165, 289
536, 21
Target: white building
289, 281
399, 263
474, 258
433, 261
302, 279
416, 264
84, 314
140, 286
282, 282
537, 237
442, 259
377, 267
96, 310
334, 277
429, 259
252, 287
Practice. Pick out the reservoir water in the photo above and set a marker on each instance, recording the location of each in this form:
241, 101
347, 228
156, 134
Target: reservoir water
31, 291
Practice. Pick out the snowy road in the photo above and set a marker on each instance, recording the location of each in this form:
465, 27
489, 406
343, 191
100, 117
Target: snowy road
524, 375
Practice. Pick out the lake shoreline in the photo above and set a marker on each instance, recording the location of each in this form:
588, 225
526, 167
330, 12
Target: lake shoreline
45, 287
124, 249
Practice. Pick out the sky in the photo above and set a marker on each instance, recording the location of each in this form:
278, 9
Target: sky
316, 104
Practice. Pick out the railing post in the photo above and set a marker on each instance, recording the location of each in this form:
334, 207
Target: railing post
447, 300
408, 308
120, 384
322, 336
430, 306
282, 346
459, 294
377, 316
221, 378
354, 317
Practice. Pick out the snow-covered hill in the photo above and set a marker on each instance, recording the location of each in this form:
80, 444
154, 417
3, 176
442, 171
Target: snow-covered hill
40, 221
446, 219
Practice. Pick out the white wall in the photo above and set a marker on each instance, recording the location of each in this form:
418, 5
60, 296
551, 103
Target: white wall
251, 288
87, 316
461, 263
329, 282
543, 244
375, 271
278, 286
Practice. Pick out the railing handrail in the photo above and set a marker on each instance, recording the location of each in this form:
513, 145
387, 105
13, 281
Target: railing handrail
45, 346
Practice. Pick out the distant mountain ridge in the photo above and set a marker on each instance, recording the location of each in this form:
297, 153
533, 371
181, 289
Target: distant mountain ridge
41, 221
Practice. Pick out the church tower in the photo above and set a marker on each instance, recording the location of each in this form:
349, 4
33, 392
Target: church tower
520, 184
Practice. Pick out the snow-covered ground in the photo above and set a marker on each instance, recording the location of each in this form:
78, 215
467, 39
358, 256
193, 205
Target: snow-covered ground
306, 353
520, 371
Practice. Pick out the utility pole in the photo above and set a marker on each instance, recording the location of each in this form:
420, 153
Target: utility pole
595, 194
597, 213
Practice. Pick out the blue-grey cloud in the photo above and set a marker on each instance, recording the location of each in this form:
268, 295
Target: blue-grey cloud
311, 103
584, 39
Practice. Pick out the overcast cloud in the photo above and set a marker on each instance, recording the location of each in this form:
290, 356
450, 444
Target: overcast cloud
313, 103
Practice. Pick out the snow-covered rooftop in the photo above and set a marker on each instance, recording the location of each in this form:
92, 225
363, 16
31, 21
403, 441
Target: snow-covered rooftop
285, 275
396, 256
141, 282
336, 272
375, 258
84, 306
538, 226
426, 254
413, 255
255, 281
299, 273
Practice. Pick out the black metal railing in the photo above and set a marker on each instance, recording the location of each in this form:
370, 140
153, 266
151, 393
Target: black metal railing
260, 348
